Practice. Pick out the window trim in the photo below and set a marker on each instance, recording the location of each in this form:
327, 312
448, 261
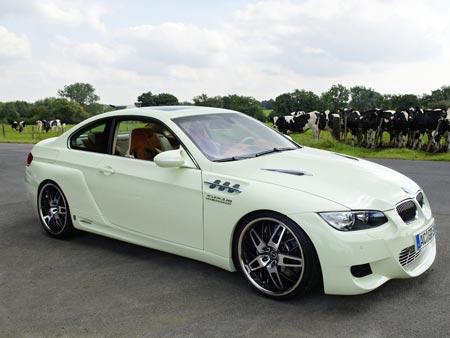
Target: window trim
111, 123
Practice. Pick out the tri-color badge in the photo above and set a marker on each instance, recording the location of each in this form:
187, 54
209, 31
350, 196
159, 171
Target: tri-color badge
225, 186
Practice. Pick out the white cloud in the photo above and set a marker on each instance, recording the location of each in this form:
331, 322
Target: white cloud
72, 13
263, 49
13, 46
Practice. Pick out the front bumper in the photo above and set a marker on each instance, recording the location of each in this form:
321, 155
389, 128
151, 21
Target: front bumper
379, 247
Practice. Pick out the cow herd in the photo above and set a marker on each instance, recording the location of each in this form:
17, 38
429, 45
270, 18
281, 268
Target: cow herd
44, 125
406, 128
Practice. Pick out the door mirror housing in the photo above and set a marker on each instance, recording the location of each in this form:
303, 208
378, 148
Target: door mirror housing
171, 159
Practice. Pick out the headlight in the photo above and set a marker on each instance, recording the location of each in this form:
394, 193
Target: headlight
354, 220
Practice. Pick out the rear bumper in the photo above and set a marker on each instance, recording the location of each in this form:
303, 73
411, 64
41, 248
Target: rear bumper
380, 248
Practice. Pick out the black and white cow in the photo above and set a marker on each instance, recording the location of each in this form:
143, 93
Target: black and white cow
298, 122
56, 125
39, 126
46, 125
282, 123
423, 122
399, 129
18, 126
386, 117
442, 132
352, 123
370, 125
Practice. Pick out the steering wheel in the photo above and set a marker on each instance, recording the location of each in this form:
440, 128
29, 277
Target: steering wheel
248, 140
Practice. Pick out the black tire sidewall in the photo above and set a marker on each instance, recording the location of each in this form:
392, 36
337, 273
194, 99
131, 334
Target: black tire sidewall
311, 264
68, 227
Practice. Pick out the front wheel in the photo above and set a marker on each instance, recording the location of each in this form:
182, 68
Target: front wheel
275, 255
54, 211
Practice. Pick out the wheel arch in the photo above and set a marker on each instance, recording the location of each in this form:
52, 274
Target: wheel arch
254, 214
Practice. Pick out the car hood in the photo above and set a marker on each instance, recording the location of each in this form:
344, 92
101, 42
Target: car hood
354, 183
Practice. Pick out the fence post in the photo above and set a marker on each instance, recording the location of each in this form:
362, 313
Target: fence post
336, 127
3, 131
32, 132
345, 128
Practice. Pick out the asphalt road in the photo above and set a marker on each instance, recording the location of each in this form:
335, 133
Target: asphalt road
94, 286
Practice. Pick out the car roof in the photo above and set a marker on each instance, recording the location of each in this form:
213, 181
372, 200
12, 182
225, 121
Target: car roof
168, 111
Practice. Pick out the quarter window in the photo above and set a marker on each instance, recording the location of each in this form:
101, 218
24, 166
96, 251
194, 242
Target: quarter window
91, 138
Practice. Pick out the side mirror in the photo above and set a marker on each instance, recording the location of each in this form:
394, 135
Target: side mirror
170, 159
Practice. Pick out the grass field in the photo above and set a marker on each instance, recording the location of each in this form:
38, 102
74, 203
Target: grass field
26, 136
326, 142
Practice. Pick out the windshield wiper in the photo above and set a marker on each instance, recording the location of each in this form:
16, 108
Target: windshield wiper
265, 152
273, 150
233, 158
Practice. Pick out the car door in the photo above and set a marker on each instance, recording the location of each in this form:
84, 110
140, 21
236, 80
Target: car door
135, 194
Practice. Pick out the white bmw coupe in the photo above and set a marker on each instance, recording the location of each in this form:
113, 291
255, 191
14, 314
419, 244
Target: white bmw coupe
220, 187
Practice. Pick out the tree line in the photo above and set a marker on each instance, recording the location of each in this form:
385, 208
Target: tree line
79, 101
357, 97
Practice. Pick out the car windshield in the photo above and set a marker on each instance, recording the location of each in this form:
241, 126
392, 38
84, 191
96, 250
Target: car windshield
232, 136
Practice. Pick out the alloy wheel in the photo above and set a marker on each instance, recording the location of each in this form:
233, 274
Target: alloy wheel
53, 209
271, 256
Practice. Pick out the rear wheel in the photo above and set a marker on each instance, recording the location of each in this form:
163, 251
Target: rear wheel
54, 211
275, 255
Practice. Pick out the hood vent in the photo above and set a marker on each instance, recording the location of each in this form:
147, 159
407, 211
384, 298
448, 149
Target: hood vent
346, 156
290, 172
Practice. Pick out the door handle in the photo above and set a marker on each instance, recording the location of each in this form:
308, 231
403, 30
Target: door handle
107, 171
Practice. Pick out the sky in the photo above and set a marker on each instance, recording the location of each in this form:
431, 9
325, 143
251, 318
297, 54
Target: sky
257, 48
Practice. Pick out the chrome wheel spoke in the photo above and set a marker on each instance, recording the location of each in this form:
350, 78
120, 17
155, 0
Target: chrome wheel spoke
290, 261
47, 219
272, 269
276, 237
257, 241
258, 263
61, 210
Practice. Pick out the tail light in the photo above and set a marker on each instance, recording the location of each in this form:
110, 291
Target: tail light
29, 159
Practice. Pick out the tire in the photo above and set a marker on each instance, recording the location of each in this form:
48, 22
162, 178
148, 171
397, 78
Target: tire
53, 211
275, 255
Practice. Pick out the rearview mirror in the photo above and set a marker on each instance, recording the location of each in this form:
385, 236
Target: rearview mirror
170, 159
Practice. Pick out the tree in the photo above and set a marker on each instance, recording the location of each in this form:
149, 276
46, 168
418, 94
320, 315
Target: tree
403, 102
146, 100
204, 100
82, 93
305, 100
244, 104
267, 104
96, 108
439, 98
363, 98
9, 113
60, 108
335, 98
68, 111
283, 105
165, 99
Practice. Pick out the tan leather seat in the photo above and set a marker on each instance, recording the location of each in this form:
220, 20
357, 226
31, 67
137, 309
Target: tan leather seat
144, 144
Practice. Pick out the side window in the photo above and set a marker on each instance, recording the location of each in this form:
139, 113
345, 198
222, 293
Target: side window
91, 138
142, 139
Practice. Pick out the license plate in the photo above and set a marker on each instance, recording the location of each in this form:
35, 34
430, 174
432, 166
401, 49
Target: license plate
425, 237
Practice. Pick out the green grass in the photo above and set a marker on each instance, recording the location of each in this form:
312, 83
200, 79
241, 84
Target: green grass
267, 112
327, 142
13, 136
